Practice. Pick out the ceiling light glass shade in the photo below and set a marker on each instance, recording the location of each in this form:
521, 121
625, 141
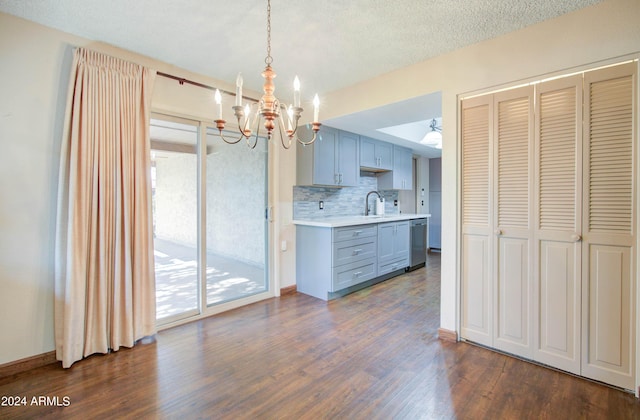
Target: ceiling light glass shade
432, 138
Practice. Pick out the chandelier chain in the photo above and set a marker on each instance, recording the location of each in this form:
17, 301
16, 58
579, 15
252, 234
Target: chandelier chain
268, 60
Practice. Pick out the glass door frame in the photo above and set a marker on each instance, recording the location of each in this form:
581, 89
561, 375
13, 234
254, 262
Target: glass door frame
203, 310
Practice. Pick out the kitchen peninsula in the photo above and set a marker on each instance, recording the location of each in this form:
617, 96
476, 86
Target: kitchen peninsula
339, 255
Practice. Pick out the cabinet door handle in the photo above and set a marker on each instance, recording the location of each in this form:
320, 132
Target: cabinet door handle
357, 274
356, 251
576, 238
499, 232
357, 232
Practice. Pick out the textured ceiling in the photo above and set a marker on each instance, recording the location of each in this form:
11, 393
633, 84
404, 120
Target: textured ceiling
329, 44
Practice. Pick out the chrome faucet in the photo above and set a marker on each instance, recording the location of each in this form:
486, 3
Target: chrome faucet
366, 201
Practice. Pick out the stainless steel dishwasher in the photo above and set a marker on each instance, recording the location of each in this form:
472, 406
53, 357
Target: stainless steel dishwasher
419, 230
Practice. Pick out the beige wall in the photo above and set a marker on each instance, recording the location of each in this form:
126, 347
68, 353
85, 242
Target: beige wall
583, 39
34, 63
34, 68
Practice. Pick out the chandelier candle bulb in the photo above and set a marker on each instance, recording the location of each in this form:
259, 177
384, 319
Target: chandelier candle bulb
290, 119
218, 99
296, 92
239, 90
316, 108
247, 112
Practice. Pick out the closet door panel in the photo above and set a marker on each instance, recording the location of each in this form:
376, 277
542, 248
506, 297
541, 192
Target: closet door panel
609, 353
557, 207
608, 319
476, 296
513, 120
477, 288
558, 330
513, 296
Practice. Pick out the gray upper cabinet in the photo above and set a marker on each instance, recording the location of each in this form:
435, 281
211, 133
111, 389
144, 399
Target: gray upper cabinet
332, 160
375, 155
401, 176
347, 159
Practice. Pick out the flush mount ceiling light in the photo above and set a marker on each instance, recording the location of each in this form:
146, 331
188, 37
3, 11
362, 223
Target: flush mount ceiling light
433, 138
269, 107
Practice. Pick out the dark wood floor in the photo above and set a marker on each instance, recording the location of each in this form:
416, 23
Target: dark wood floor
372, 354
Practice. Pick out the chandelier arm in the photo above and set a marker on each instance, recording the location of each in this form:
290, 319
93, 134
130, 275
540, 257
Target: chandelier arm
257, 136
220, 127
235, 141
288, 145
313, 138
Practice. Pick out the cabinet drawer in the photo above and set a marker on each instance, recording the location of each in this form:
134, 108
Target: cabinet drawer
354, 273
354, 250
354, 232
393, 266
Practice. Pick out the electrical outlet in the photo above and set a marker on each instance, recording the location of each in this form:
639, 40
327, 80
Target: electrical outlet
321, 205
395, 203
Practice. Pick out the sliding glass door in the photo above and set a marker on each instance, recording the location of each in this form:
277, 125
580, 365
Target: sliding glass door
236, 185
174, 157
210, 229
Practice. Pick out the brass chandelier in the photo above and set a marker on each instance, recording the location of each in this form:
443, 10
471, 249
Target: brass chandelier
268, 108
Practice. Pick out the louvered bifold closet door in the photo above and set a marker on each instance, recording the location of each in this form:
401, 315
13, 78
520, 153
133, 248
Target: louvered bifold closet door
609, 225
477, 292
513, 174
557, 211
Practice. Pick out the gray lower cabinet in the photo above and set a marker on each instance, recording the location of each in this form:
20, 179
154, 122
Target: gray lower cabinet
331, 262
332, 259
393, 246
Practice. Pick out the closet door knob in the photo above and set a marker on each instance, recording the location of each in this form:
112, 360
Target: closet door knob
576, 238
499, 232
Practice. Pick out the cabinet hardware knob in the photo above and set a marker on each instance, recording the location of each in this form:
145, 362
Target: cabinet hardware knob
499, 232
576, 238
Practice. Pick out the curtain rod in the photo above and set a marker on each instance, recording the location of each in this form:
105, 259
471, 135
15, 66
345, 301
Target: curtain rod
182, 81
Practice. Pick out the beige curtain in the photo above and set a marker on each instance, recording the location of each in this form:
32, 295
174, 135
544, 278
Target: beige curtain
104, 274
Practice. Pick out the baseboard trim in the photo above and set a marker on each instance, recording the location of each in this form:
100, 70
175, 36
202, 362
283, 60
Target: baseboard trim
27, 363
289, 290
447, 335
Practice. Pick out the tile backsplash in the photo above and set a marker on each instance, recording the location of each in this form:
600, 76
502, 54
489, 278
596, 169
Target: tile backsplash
347, 201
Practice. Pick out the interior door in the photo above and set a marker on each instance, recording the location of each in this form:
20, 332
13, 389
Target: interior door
513, 119
608, 252
558, 169
477, 289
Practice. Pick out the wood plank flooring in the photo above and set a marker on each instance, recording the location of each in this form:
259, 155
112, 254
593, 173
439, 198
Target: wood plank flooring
373, 354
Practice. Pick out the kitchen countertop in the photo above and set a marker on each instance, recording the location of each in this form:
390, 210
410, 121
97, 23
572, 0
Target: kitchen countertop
342, 221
